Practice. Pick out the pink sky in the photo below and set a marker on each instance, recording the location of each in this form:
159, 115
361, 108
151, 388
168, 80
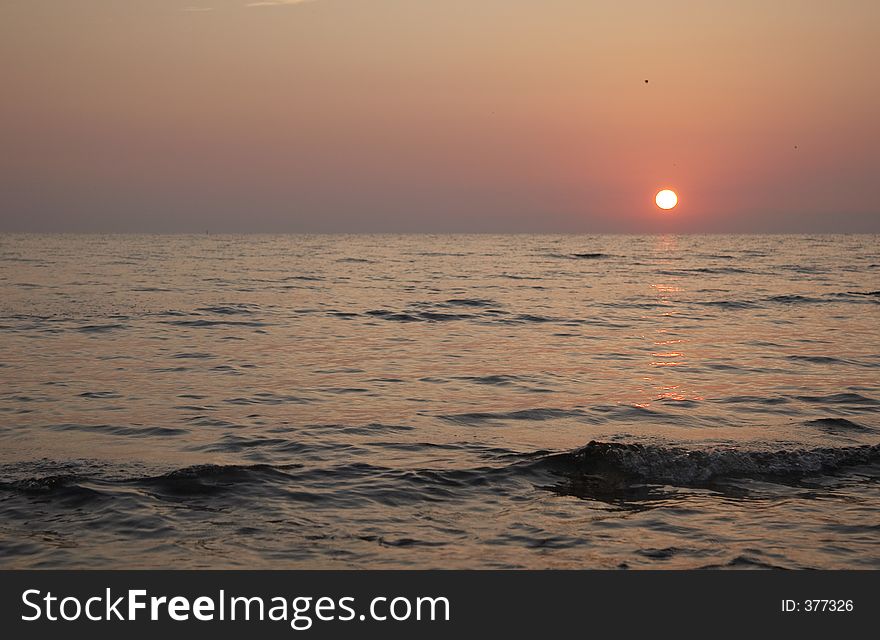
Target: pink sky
439, 115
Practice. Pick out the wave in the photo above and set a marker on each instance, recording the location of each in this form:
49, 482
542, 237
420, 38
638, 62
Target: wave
578, 256
611, 463
228, 310
100, 395
195, 479
819, 359
537, 414
851, 296
417, 316
838, 425
603, 470
471, 302
729, 304
101, 328
116, 430
848, 398
213, 478
697, 271
267, 398
216, 323
489, 310
795, 299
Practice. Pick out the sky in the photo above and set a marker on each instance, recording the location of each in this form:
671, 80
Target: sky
439, 115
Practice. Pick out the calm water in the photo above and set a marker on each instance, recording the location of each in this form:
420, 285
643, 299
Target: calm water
440, 401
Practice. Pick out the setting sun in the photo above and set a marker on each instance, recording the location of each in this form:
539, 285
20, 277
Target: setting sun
666, 199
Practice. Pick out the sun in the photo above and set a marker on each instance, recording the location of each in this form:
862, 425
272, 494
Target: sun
666, 199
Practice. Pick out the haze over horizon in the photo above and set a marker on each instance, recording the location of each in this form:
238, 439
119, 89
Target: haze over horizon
438, 116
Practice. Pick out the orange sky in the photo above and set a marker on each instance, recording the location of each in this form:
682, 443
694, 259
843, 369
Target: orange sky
439, 115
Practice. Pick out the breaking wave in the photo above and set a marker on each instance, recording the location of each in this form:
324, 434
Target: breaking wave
616, 462
605, 465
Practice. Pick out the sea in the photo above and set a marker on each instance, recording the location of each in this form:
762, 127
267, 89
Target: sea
440, 401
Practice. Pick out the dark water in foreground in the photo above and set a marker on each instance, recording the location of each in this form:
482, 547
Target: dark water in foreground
427, 401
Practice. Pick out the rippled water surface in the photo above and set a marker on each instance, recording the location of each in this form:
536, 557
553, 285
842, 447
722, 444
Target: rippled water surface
440, 401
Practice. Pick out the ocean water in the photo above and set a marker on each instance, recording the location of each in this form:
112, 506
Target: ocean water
440, 401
